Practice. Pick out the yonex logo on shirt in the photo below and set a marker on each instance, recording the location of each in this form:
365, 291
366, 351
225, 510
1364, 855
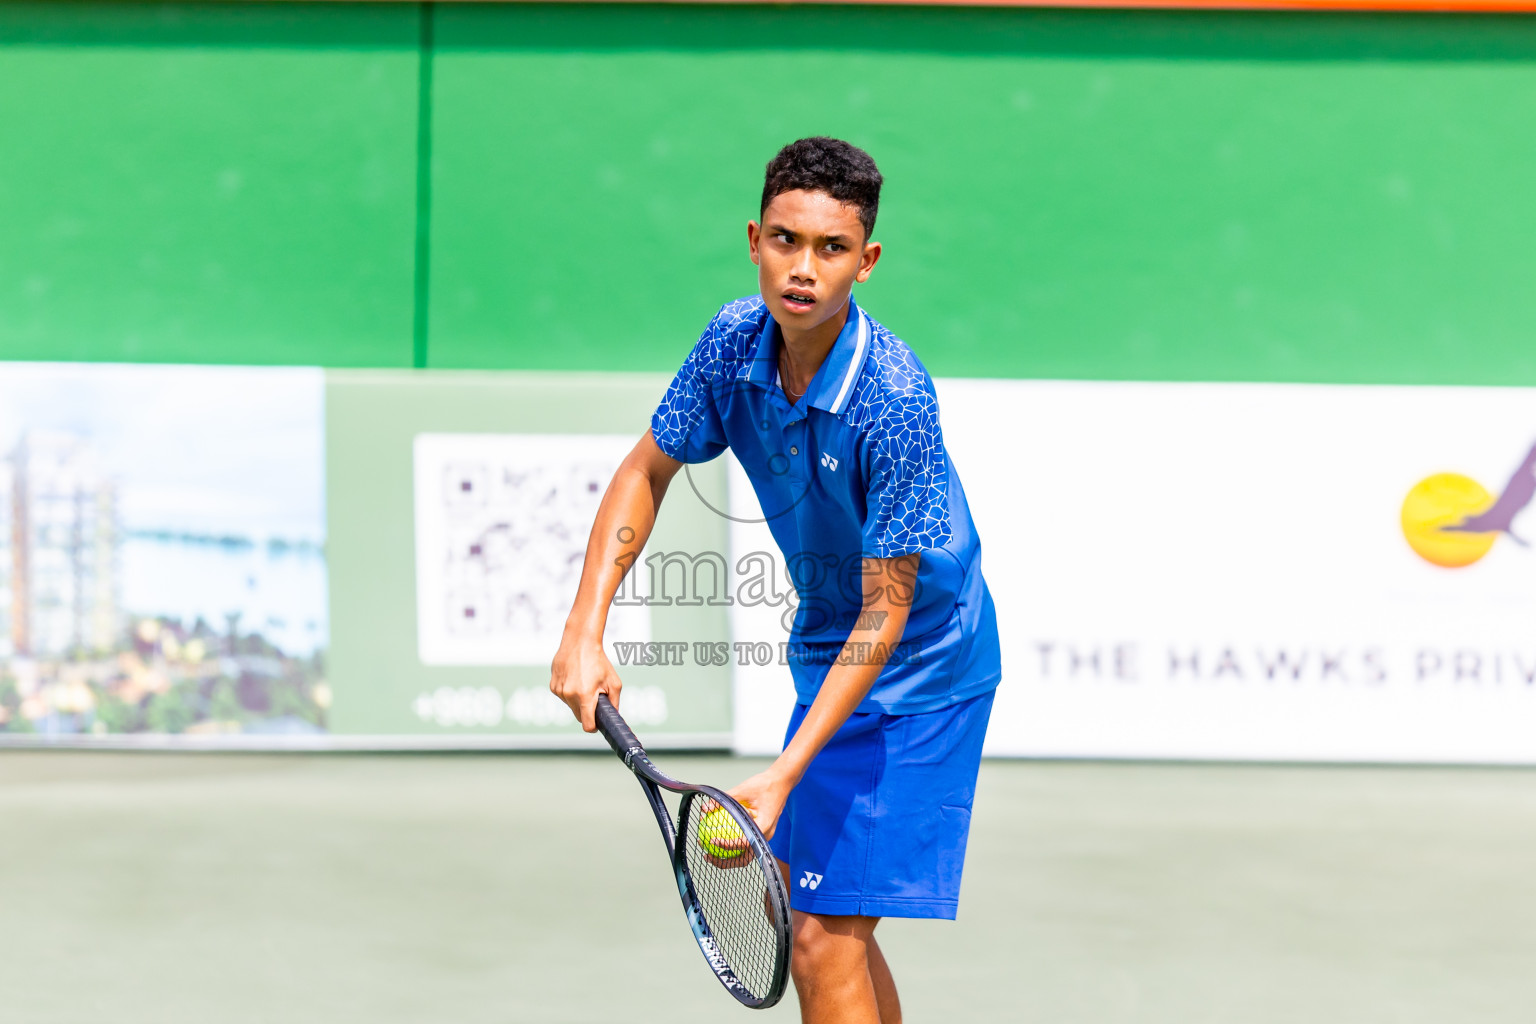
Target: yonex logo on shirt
829, 462
810, 881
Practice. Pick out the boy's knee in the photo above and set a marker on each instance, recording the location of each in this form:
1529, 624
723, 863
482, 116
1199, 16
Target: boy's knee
827, 942
812, 943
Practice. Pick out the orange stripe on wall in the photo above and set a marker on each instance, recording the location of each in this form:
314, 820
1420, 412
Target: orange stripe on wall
1427, 6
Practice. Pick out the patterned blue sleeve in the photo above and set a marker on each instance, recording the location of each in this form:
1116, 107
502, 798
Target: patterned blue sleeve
686, 424
907, 509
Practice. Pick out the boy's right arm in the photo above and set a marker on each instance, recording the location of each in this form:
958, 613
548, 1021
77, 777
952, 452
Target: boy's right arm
581, 669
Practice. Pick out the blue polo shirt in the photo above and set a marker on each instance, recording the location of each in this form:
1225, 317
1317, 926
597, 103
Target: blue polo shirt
856, 468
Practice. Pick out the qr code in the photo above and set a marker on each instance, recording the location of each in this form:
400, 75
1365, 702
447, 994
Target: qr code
502, 522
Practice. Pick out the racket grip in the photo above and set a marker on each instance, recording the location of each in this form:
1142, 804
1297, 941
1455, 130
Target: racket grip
615, 730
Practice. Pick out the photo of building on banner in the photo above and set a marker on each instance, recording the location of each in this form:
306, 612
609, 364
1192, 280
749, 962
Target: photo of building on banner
162, 559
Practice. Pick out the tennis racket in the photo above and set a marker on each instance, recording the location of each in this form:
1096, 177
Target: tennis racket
727, 876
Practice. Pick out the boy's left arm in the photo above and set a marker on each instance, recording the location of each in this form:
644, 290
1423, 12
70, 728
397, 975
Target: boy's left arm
888, 588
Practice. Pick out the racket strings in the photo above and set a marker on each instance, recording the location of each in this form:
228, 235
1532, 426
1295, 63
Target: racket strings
728, 879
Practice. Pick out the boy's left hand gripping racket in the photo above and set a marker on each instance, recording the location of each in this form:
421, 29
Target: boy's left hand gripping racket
726, 874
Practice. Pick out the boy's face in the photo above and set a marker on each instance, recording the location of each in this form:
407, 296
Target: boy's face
809, 251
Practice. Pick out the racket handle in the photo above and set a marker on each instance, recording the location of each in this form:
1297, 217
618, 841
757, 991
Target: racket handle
615, 730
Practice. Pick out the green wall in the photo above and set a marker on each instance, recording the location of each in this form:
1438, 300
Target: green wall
1090, 194
229, 184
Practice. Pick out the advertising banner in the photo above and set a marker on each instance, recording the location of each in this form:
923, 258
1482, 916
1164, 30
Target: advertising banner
295, 558
458, 510
1243, 571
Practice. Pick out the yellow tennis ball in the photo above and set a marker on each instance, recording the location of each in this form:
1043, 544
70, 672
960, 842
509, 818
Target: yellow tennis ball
720, 835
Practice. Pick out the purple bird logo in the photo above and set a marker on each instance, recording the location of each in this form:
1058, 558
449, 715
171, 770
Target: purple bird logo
1451, 520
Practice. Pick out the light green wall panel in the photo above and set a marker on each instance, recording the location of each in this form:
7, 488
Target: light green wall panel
229, 183
372, 419
1165, 195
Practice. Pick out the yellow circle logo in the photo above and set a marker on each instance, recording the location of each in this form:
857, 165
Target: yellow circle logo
1432, 513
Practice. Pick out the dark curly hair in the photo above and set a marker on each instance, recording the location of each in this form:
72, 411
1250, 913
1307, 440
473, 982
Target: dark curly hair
819, 164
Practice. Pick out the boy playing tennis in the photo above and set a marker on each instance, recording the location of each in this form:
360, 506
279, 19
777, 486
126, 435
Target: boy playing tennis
894, 648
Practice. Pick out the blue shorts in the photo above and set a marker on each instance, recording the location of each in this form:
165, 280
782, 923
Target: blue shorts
878, 824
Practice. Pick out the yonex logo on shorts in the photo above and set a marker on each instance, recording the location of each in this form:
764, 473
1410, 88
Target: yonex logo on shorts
810, 881
829, 462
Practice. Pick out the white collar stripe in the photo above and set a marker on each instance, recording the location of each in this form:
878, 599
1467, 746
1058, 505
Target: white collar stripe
853, 364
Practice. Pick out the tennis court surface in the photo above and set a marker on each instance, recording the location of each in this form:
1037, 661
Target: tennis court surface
385, 889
